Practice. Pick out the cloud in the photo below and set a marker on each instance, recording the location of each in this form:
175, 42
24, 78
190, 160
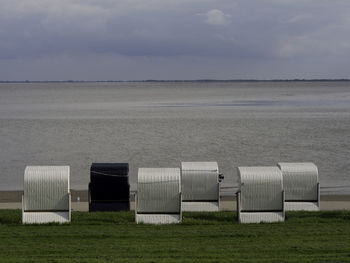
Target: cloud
300, 18
217, 17
175, 32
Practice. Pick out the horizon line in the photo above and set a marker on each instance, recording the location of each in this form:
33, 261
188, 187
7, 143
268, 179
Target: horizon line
190, 80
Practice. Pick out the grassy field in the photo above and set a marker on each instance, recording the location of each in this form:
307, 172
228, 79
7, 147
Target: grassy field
202, 237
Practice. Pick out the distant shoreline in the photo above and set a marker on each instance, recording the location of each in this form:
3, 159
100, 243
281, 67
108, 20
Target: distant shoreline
180, 81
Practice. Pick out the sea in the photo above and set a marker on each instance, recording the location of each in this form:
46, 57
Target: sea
161, 124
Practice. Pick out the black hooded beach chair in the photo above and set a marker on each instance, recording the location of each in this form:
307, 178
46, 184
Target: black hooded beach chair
109, 188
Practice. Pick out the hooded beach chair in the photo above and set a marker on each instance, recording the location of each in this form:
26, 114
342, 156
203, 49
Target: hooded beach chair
109, 188
158, 198
301, 186
200, 185
260, 197
46, 197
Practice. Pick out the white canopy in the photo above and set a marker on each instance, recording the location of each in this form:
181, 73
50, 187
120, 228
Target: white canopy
261, 196
46, 189
301, 185
158, 193
200, 181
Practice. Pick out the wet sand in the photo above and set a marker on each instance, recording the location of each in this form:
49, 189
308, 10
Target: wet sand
12, 200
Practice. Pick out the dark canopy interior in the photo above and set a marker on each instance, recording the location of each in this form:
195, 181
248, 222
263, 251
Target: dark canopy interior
109, 182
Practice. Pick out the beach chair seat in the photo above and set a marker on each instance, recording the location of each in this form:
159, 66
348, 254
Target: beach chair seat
158, 198
260, 197
109, 188
301, 186
46, 196
200, 186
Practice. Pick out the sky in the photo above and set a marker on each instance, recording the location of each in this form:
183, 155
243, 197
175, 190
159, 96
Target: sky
174, 39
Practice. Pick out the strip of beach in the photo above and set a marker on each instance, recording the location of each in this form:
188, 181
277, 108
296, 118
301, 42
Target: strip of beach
13, 200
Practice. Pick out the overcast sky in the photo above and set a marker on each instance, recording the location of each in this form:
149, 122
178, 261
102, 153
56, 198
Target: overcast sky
174, 39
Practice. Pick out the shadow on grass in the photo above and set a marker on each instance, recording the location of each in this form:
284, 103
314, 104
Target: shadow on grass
336, 214
98, 218
10, 216
209, 217
319, 216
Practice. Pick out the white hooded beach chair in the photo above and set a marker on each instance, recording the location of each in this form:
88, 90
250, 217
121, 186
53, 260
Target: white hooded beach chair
158, 198
301, 186
200, 183
260, 197
46, 196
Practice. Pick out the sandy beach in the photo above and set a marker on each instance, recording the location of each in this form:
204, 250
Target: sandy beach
12, 200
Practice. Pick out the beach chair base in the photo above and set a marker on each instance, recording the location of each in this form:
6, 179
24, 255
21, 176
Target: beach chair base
259, 217
302, 206
200, 206
158, 218
45, 217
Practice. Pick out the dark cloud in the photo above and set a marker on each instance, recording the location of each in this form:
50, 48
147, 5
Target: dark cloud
237, 37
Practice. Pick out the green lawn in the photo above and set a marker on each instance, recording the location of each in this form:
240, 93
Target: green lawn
202, 237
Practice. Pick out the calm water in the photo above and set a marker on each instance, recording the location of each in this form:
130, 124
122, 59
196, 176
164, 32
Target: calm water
162, 124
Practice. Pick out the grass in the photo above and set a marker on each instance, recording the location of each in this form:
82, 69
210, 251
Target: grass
201, 237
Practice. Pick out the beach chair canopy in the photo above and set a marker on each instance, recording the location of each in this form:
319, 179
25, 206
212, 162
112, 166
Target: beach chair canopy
200, 181
46, 188
158, 191
260, 197
46, 195
109, 182
261, 188
300, 181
